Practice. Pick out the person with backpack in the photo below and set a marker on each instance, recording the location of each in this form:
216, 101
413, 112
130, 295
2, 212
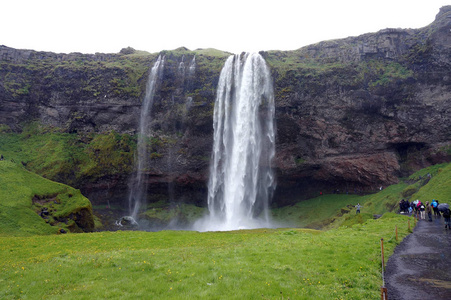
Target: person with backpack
435, 208
429, 211
422, 211
446, 216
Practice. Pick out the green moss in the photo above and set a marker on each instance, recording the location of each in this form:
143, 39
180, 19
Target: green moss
69, 157
211, 52
299, 160
108, 154
381, 72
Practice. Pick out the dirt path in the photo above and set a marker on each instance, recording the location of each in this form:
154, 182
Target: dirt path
420, 267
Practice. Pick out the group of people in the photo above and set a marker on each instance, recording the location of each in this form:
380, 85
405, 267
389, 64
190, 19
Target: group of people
421, 209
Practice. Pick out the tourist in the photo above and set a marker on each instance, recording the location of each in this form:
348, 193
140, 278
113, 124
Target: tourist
407, 206
1, 157
447, 215
422, 211
417, 208
435, 208
358, 208
429, 211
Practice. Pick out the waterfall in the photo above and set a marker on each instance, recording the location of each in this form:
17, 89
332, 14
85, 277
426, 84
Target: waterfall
192, 66
138, 190
182, 66
241, 180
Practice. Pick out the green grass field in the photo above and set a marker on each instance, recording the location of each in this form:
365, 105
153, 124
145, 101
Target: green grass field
343, 263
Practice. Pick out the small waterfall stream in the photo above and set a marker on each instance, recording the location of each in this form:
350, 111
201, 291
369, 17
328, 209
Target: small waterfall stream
138, 186
241, 179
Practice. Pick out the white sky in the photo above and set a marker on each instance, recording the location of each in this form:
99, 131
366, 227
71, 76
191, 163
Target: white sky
90, 26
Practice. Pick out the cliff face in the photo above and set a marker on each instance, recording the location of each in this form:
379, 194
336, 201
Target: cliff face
351, 114
355, 113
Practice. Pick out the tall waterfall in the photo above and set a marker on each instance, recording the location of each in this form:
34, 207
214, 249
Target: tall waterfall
138, 190
241, 178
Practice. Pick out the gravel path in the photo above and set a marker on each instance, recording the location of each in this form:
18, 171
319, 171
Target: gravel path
420, 267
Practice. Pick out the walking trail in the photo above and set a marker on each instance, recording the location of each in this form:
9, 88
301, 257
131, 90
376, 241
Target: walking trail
420, 267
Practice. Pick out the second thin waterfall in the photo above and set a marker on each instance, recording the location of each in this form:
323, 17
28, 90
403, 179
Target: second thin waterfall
138, 189
241, 180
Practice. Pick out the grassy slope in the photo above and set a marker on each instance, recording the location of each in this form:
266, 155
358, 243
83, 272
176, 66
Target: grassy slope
332, 211
18, 215
439, 186
259, 264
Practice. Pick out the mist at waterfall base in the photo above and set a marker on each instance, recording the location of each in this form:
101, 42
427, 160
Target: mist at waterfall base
241, 181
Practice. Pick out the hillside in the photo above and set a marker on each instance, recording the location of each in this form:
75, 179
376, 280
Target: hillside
32, 205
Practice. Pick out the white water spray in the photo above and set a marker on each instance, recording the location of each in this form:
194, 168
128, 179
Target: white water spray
138, 190
241, 178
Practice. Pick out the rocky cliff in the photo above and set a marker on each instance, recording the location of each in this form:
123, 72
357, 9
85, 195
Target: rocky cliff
352, 114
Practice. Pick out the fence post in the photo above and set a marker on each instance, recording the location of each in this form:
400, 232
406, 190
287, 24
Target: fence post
408, 221
396, 230
384, 294
383, 288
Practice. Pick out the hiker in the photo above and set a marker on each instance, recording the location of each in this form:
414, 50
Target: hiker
422, 211
429, 211
416, 206
358, 208
401, 206
1, 157
407, 206
446, 216
435, 208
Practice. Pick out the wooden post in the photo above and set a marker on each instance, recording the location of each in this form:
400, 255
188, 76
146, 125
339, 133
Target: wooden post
383, 288
408, 221
384, 295
396, 231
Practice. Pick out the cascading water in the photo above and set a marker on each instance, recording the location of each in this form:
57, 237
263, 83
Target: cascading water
138, 189
192, 67
241, 178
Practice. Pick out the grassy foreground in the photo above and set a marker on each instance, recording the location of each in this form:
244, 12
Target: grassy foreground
343, 263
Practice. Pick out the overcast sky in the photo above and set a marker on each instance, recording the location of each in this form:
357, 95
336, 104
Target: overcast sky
90, 26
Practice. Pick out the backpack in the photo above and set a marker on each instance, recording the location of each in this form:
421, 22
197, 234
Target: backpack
434, 204
447, 213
